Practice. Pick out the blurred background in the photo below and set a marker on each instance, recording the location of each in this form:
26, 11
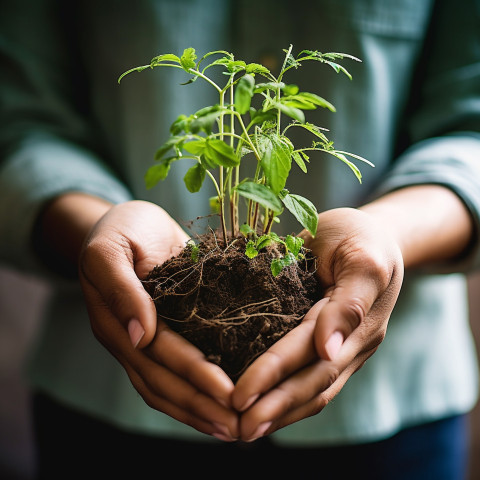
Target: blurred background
21, 300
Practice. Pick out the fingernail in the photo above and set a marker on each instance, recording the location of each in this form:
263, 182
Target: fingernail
222, 428
260, 431
224, 438
249, 402
136, 331
334, 343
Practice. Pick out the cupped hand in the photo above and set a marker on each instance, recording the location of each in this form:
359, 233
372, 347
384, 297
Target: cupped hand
170, 374
361, 269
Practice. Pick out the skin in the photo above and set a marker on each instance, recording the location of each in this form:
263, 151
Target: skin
362, 256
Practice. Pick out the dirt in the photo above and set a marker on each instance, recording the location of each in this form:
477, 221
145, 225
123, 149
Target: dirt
232, 307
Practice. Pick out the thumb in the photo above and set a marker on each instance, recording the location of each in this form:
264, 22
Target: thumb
349, 303
112, 287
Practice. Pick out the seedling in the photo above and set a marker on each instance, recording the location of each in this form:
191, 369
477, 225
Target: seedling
220, 138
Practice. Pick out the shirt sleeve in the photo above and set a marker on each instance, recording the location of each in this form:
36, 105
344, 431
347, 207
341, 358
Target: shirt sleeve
444, 122
47, 137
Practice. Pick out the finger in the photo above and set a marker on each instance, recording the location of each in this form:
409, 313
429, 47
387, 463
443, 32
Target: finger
300, 396
179, 355
350, 301
287, 355
162, 389
170, 394
110, 284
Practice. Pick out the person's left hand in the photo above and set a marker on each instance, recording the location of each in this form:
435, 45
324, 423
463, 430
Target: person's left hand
361, 269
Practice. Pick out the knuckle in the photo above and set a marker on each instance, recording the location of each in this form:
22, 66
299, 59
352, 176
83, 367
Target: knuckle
331, 375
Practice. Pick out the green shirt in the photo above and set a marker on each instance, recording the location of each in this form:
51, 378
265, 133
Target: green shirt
412, 108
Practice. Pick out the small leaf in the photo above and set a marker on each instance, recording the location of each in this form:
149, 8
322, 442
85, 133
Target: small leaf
276, 266
172, 142
263, 241
221, 153
156, 173
214, 203
260, 194
246, 230
244, 93
294, 244
303, 210
187, 60
194, 178
251, 250
167, 57
299, 161
260, 87
257, 68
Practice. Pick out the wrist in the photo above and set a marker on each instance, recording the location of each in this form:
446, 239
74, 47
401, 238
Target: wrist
430, 223
62, 227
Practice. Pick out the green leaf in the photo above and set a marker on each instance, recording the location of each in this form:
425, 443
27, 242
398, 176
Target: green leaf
196, 147
173, 142
276, 161
297, 101
194, 178
261, 87
292, 112
345, 160
294, 244
221, 153
251, 250
278, 264
317, 131
303, 210
244, 93
316, 100
214, 203
299, 161
235, 66
246, 230
204, 119
263, 241
260, 194
167, 57
187, 60
257, 68
290, 89
261, 116
156, 173
179, 125
136, 69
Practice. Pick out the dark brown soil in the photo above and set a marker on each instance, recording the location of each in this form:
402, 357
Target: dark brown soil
232, 307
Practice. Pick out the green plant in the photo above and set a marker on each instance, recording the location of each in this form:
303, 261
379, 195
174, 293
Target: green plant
221, 137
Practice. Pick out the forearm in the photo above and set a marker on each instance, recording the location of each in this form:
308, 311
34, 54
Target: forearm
429, 222
63, 226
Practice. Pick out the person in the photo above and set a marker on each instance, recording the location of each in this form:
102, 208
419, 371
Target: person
380, 375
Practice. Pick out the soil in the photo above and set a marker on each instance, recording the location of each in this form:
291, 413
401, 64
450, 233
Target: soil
232, 307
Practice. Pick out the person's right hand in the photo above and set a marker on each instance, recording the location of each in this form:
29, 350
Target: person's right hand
170, 374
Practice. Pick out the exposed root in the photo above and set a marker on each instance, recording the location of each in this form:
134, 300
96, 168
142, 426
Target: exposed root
229, 306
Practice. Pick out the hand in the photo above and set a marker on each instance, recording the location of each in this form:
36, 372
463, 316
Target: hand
361, 269
170, 374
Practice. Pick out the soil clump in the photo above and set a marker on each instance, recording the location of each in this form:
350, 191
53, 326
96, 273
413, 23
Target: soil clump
229, 306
